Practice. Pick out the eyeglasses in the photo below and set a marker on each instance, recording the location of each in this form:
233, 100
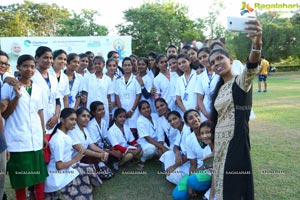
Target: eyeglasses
5, 64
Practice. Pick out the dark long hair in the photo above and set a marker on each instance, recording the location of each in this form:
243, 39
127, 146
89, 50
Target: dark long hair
65, 113
93, 107
118, 111
214, 113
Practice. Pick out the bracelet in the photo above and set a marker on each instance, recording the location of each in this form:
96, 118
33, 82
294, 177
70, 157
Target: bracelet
143, 87
131, 111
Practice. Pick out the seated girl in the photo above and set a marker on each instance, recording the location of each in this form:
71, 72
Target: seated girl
98, 133
82, 142
122, 139
66, 173
147, 130
176, 164
200, 169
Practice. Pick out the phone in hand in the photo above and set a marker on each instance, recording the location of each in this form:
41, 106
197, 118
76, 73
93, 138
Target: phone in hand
238, 24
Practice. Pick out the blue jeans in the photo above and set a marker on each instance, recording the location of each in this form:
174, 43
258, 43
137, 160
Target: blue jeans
2, 172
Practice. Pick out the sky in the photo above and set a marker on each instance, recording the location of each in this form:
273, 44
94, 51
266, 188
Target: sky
111, 11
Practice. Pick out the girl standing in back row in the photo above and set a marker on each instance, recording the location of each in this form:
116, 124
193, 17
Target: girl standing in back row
25, 142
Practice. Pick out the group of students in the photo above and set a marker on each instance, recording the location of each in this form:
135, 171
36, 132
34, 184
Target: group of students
147, 107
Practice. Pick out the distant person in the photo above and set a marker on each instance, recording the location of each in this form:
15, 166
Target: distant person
185, 49
115, 55
90, 67
171, 50
134, 60
263, 73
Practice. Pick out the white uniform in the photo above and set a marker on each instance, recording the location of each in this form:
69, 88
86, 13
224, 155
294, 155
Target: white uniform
111, 92
97, 90
237, 67
97, 132
50, 94
148, 83
23, 128
194, 150
78, 137
75, 87
205, 86
166, 88
127, 95
146, 128
186, 90
61, 150
169, 157
164, 128
116, 137
63, 86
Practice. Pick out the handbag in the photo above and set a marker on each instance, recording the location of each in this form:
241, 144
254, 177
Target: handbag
47, 152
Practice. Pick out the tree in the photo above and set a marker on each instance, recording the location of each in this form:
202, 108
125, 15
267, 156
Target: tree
213, 28
81, 25
31, 19
153, 26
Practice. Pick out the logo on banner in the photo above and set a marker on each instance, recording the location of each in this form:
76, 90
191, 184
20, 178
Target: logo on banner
246, 8
119, 46
27, 43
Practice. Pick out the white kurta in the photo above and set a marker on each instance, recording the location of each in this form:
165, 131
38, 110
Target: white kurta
205, 86
148, 83
97, 90
194, 150
116, 137
146, 128
23, 128
127, 95
75, 87
168, 158
97, 132
61, 150
163, 127
166, 88
50, 94
63, 86
186, 90
78, 138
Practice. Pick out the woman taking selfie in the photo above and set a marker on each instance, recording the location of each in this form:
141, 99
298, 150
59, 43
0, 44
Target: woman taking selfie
232, 102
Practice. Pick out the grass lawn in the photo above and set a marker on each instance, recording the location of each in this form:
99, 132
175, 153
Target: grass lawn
275, 148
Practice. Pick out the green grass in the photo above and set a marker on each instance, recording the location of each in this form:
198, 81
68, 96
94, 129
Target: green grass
275, 136
275, 148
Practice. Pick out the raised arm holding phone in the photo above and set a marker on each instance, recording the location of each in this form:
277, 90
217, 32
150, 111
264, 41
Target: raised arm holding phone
232, 102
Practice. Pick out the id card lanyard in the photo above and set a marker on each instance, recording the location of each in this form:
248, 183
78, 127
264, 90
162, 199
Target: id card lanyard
186, 95
126, 95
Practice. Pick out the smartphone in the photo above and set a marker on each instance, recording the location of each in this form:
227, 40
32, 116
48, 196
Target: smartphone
238, 24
